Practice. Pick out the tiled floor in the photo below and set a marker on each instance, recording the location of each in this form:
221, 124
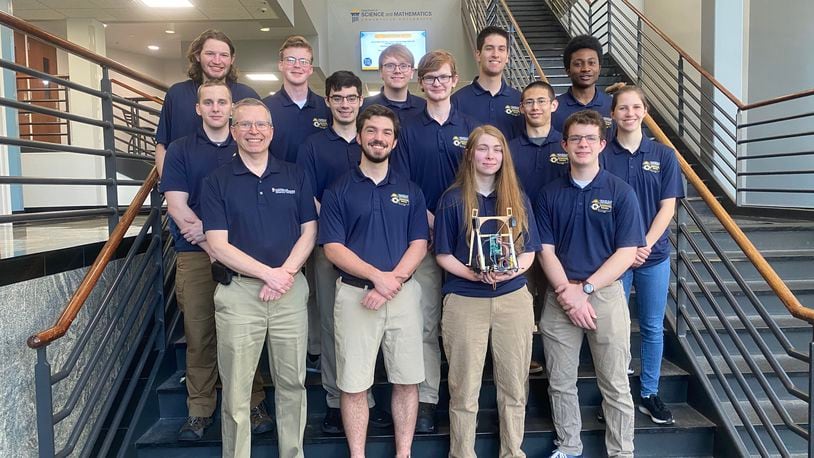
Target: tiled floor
22, 239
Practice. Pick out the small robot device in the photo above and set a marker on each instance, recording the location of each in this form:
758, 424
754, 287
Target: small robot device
494, 251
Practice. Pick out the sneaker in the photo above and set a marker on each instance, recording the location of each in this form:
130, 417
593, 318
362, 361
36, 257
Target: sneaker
656, 410
193, 428
558, 454
630, 371
380, 418
261, 421
600, 416
313, 365
332, 424
425, 423
535, 367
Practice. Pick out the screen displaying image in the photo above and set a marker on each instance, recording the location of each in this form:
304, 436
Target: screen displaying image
372, 44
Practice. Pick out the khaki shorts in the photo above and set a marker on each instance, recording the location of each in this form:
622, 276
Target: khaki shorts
396, 327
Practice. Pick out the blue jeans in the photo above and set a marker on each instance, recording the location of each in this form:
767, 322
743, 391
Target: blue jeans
651, 285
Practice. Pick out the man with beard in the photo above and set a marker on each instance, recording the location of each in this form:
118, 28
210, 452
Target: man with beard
211, 57
582, 58
373, 227
324, 157
489, 99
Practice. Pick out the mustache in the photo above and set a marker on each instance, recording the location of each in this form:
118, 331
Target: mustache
377, 143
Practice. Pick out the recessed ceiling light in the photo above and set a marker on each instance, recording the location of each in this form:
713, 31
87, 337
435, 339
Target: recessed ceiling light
104, 25
167, 3
262, 77
372, 93
169, 31
265, 29
272, 92
153, 47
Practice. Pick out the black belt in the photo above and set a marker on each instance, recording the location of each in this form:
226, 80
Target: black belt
366, 284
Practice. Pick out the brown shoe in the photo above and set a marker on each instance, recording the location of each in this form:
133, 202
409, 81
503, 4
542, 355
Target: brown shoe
535, 367
260, 419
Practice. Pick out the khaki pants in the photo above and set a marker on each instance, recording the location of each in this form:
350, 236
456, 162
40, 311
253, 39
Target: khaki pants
466, 327
610, 347
244, 322
428, 275
195, 289
314, 327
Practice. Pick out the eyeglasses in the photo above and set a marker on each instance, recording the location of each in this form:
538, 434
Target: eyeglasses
578, 138
391, 67
292, 61
337, 99
247, 125
443, 79
529, 103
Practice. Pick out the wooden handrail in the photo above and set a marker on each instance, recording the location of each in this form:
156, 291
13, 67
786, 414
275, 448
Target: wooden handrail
782, 98
30, 29
130, 88
95, 272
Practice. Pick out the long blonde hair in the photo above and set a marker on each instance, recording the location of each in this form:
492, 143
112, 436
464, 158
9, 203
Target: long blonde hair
507, 186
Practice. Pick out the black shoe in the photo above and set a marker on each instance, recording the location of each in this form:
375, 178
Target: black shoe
425, 423
380, 418
193, 428
332, 424
656, 410
261, 421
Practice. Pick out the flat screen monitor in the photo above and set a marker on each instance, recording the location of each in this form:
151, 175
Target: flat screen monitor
373, 43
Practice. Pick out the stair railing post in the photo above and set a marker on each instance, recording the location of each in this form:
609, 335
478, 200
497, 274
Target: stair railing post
158, 283
681, 268
109, 138
680, 96
45, 404
590, 18
638, 51
610, 34
810, 398
570, 7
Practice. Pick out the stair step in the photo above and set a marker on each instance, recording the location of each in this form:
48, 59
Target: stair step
695, 439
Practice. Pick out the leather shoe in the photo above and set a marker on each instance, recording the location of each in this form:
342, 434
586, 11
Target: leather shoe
380, 418
425, 423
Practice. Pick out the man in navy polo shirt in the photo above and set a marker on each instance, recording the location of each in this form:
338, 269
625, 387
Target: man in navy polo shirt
489, 99
189, 160
297, 111
396, 64
260, 223
324, 157
373, 227
429, 150
211, 56
582, 58
591, 227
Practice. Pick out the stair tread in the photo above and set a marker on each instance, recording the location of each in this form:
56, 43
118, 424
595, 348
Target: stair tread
163, 432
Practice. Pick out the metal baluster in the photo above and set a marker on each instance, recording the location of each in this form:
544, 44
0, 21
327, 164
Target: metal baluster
680, 96
681, 268
810, 398
158, 283
610, 34
639, 50
109, 136
45, 404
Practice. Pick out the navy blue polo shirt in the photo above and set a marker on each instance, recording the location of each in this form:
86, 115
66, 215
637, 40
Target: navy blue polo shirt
568, 105
414, 104
429, 153
292, 124
450, 238
501, 110
188, 161
262, 214
536, 166
178, 118
325, 156
654, 174
375, 221
586, 226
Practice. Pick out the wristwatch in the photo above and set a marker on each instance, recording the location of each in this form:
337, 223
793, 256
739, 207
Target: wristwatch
587, 288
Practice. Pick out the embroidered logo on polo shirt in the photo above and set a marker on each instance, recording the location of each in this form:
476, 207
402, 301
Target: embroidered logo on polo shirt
651, 166
460, 141
282, 191
321, 123
602, 205
400, 199
512, 110
558, 158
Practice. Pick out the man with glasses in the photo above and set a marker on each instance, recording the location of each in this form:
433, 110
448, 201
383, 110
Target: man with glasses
430, 147
260, 222
324, 157
211, 57
396, 64
590, 225
296, 110
489, 99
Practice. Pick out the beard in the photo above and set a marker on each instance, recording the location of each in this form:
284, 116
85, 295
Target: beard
376, 159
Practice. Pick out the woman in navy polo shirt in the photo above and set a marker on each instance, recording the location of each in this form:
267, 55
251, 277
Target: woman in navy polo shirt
475, 303
652, 170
